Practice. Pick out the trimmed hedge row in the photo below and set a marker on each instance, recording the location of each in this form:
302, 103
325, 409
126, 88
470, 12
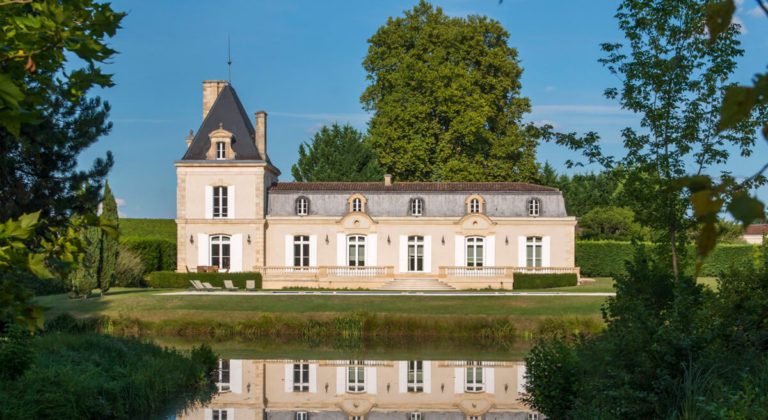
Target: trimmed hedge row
544, 281
174, 280
607, 258
155, 254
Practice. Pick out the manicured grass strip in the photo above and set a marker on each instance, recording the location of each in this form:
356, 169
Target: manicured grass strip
148, 228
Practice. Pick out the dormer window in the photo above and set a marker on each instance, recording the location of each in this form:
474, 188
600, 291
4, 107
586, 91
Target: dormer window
221, 150
534, 207
357, 205
302, 206
417, 207
474, 205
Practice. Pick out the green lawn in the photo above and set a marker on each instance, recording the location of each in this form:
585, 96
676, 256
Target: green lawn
148, 228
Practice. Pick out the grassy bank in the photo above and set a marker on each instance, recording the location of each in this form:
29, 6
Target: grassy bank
148, 228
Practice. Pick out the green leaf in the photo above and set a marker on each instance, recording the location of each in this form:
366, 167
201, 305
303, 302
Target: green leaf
746, 209
737, 105
719, 17
10, 94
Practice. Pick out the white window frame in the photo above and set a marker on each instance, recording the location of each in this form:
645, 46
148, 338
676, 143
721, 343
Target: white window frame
533, 416
415, 376
356, 417
301, 415
301, 372
301, 243
471, 247
220, 202
356, 377
415, 261
474, 205
415, 416
220, 414
357, 204
223, 373
417, 207
534, 245
221, 150
302, 206
474, 417
217, 246
356, 250
474, 377
534, 207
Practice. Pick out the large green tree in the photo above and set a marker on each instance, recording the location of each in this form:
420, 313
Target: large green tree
445, 97
336, 153
109, 242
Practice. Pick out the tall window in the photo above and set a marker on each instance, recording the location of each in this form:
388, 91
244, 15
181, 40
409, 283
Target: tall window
533, 416
417, 207
301, 415
222, 381
221, 150
357, 205
220, 202
301, 251
474, 205
356, 376
220, 251
415, 253
533, 250
219, 414
475, 251
474, 377
534, 206
356, 250
302, 206
415, 416
415, 376
301, 377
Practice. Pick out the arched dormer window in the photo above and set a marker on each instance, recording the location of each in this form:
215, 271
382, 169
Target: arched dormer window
221, 150
475, 204
534, 207
221, 145
417, 207
357, 203
302, 206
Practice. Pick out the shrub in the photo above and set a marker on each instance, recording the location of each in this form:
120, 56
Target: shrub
155, 254
543, 281
174, 280
129, 268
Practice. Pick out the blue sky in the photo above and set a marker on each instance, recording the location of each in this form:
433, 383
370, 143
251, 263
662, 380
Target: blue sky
301, 62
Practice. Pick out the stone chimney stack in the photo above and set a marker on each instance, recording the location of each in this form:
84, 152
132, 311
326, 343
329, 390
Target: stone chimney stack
387, 180
211, 89
260, 135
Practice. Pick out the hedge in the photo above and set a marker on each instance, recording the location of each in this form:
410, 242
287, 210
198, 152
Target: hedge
155, 254
174, 280
607, 258
544, 281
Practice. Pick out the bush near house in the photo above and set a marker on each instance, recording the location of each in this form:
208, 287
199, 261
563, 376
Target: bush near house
606, 258
174, 280
544, 281
155, 254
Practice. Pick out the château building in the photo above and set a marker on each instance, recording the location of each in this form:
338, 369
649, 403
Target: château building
233, 214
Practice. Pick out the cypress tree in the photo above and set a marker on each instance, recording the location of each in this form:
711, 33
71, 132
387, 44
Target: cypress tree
109, 243
86, 277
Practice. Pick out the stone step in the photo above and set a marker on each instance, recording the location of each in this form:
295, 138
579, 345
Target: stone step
416, 284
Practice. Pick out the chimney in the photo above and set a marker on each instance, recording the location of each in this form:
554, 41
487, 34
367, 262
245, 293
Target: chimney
190, 137
211, 89
260, 135
387, 180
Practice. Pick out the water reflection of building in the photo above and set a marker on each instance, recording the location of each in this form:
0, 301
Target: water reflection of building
366, 390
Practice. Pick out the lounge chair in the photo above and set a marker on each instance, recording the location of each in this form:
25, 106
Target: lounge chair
209, 287
229, 286
250, 285
196, 285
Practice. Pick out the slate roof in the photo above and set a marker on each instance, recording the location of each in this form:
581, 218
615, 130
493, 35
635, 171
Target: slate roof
228, 111
412, 187
756, 230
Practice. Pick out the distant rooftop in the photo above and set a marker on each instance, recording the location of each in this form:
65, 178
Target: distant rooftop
413, 186
756, 230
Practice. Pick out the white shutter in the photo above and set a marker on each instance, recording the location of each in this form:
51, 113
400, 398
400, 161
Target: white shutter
402, 377
313, 250
460, 256
403, 253
231, 202
545, 242
428, 254
490, 251
313, 378
370, 380
236, 253
370, 249
231, 413
208, 414
341, 250
521, 251
458, 380
288, 250
202, 250
209, 202
236, 376
490, 381
521, 378
288, 377
341, 380
427, 376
